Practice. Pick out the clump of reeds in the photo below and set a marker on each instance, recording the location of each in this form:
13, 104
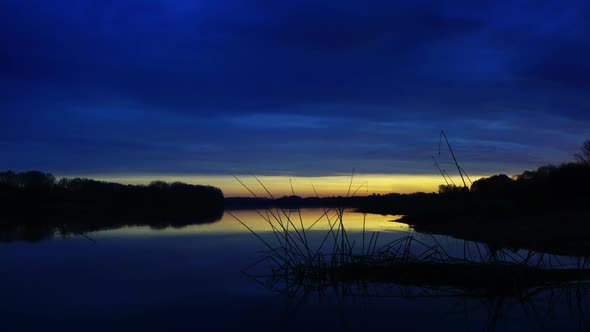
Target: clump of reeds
293, 254
297, 261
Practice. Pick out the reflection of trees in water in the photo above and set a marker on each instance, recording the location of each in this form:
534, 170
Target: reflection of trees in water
35, 231
35, 206
568, 239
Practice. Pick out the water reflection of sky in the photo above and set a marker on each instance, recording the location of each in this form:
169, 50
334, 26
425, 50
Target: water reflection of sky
353, 222
189, 279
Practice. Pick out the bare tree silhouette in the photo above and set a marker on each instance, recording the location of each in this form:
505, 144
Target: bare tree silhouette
584, 156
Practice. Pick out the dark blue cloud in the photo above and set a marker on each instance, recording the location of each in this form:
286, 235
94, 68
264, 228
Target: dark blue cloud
306, 87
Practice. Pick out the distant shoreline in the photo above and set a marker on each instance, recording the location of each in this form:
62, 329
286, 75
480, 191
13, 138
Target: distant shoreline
36, 197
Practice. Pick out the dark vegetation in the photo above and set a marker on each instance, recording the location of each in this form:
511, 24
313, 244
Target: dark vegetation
548, 192
35, 205
531, 197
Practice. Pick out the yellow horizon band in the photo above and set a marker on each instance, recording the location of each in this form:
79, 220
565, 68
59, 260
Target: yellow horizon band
334, 185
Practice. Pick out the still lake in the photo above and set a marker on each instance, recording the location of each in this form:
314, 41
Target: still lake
190, 279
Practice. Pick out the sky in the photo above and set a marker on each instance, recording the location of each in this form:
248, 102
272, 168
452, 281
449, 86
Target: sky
135, 90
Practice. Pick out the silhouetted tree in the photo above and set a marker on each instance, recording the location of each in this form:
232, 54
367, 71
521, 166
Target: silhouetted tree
546, 170
32, 180
447, 189
584, 155
38, 194
497, 184
35, 180
160, 185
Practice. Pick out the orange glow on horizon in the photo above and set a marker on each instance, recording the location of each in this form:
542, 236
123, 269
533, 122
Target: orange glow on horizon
335, 185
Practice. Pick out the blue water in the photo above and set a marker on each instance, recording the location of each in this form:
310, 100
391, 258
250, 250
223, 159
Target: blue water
190, 279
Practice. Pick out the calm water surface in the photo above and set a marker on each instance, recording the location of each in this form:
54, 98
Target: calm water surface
189, 279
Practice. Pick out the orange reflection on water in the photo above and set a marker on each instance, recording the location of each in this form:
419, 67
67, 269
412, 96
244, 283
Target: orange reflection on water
313, 219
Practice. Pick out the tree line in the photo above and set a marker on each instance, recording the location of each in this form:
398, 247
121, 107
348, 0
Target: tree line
39, 194
550, 190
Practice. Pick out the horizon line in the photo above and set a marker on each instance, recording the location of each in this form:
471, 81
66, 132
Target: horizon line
303, 186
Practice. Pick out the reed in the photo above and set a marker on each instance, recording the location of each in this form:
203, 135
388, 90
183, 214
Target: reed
296, 262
